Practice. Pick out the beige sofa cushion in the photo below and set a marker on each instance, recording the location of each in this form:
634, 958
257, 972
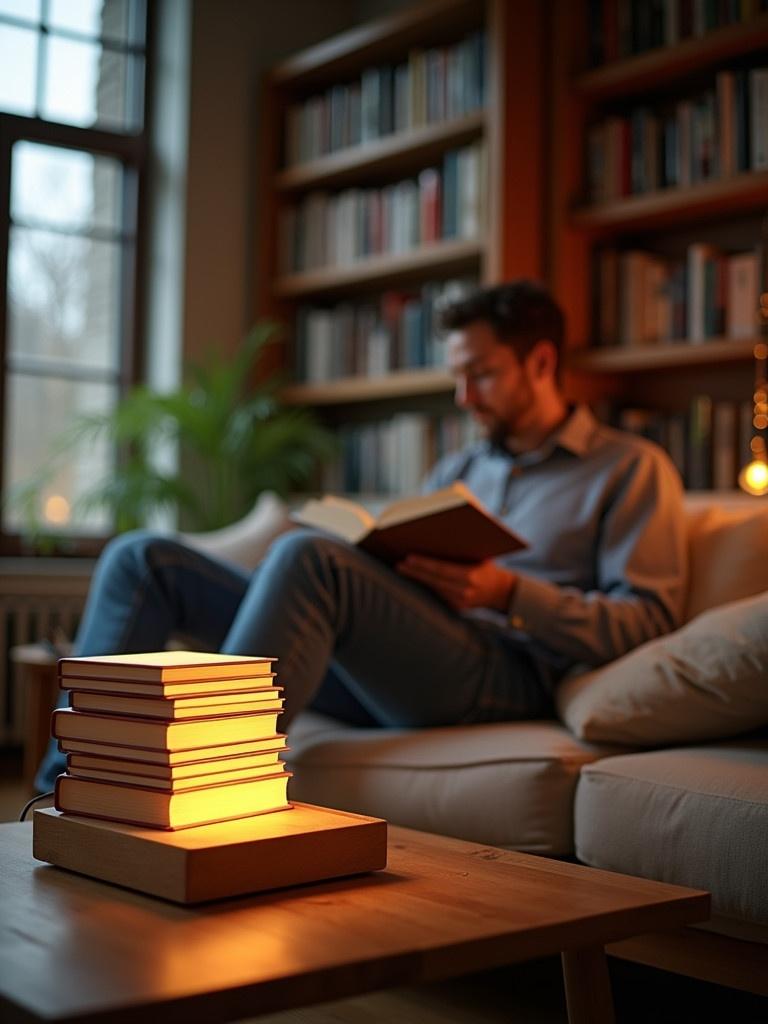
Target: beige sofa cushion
506, 784
694, 816
245, 542
708, 679
728, 551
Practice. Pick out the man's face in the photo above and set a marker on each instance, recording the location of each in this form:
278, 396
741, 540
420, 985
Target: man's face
491, 382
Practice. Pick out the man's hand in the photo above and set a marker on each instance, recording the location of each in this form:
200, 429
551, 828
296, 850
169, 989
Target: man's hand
483, 585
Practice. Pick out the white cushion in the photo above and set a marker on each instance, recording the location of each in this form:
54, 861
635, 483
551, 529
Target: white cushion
706, 680
728, 552
695, 816
506, 784
245, 542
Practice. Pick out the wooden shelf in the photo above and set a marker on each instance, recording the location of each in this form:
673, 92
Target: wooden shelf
662, 356
391, 155
348, 390
669, 207
377, 42
438, 259
661, 66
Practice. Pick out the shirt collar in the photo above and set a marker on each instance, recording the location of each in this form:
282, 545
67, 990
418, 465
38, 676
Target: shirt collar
577, 431
575, 435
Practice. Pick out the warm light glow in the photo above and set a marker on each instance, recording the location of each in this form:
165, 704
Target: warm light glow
57, 509
171, 810
754, 477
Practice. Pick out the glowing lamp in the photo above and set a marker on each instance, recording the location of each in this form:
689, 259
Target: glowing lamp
754, 476
175, 787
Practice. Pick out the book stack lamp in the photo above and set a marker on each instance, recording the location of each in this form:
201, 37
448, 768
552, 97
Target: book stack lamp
175, 784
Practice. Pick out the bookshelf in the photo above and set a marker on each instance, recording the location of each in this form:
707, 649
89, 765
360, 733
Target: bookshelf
613, 123
504, 135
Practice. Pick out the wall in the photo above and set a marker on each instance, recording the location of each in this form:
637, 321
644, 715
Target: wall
233, 42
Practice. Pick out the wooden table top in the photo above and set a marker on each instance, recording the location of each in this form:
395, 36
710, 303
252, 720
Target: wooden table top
74, 949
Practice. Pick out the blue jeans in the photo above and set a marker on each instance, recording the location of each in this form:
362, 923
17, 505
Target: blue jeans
353, 639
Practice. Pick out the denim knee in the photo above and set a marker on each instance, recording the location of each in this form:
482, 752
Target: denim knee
132, 549
301, 547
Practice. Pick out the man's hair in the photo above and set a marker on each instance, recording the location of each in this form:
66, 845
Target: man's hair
519, 312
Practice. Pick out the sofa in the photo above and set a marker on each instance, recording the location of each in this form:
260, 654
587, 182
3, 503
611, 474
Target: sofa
656, 766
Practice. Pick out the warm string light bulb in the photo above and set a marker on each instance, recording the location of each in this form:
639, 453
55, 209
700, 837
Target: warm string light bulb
754, 476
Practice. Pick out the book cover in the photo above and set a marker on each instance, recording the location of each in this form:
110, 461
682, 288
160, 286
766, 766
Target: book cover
451, 524
156, 735
166, 666
170, 709
247, 687
79, 763
177, 784
151, 808
172, 758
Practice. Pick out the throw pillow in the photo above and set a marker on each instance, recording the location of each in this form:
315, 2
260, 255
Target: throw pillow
708, 679
246, 542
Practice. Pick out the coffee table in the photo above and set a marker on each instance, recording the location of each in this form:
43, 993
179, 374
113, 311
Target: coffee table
74, 949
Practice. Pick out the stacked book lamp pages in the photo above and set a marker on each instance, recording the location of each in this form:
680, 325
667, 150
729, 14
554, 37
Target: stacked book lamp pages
173, 776
170, 740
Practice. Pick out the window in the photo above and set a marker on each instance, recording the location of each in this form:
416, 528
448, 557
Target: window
72, 147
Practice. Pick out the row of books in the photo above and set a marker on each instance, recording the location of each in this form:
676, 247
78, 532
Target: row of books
170, 740
622, 28
718, 133
432, 85
400, 330
394, 456
708, 442
336, 229
642, 298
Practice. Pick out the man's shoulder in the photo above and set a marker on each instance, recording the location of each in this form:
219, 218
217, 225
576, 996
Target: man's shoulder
623, 455
626, 443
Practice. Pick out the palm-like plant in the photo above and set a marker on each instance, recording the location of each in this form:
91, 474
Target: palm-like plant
235, 439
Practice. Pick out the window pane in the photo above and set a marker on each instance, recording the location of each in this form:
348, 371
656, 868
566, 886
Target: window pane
105, 18
39, 409
29, 10
18, 63
65, 187
63, 300
86, 85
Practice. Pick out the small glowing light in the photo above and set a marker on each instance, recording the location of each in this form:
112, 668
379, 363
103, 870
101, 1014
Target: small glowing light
754, 477
57, 509
761, 350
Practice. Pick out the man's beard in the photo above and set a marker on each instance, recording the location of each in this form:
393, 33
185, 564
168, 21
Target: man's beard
500, 431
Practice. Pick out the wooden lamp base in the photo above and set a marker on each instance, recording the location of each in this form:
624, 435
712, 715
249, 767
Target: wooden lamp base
268, 851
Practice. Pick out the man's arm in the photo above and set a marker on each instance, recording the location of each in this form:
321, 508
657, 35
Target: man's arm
640, 568
641, 574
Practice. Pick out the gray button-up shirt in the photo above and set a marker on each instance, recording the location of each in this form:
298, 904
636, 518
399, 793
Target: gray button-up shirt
602, 512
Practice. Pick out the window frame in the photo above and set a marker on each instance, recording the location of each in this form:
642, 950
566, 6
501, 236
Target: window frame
132, 152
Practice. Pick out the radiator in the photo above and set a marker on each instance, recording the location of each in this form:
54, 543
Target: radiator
34, 607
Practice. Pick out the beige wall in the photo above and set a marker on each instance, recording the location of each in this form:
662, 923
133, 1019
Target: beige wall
233, 42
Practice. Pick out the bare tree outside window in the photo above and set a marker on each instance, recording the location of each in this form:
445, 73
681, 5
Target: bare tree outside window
71, 84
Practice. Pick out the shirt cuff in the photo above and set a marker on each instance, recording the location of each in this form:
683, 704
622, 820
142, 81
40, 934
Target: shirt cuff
534, 604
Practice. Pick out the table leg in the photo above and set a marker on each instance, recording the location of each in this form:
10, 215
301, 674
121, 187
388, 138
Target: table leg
587, 986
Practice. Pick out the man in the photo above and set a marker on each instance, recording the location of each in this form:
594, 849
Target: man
436, 643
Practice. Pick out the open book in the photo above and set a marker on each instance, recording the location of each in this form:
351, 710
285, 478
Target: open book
451, 524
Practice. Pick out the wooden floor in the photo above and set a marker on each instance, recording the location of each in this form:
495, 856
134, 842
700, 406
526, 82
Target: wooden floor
530, 993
